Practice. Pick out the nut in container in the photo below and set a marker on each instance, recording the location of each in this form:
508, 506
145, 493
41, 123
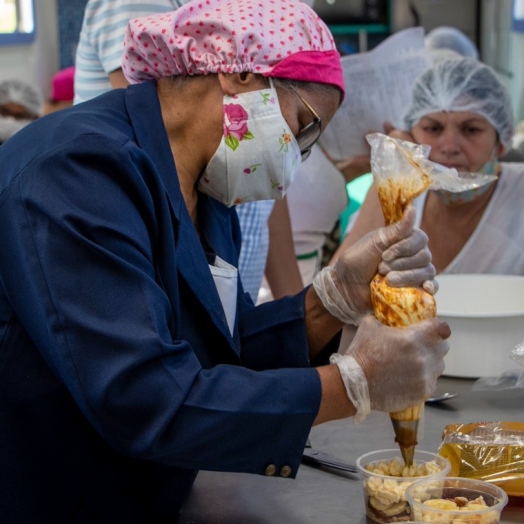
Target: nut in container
455, 500
385, 478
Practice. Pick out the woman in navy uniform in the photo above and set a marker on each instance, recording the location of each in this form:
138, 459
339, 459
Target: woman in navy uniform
130, 357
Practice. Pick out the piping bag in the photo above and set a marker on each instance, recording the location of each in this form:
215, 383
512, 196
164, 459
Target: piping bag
401, 171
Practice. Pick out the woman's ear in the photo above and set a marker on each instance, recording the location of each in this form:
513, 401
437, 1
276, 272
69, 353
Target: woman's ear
234, 83
500, 150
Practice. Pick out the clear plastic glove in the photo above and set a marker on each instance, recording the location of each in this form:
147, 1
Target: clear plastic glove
399, 251
391, 369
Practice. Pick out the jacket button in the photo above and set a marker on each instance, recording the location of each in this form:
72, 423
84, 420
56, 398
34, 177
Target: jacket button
271, 470
285, 471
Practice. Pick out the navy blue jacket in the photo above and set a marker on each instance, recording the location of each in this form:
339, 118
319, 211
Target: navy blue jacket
119, 378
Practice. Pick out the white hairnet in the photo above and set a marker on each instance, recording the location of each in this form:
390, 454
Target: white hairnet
18, 92
462, 85
439, 55
451, 38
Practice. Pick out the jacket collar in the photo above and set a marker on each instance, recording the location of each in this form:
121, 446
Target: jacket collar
145, 114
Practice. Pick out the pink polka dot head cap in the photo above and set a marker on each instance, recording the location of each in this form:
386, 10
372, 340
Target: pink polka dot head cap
275, 38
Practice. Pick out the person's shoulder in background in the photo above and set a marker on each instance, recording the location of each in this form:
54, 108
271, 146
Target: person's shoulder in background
514, 155
100, 46
518, 141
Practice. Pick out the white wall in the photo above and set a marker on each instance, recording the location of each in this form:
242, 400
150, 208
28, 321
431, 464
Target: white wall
39, 61
517, 82
461, 14
503, 49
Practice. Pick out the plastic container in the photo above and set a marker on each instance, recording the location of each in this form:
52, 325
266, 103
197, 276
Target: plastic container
444, 492
489, 451
384, 495
486, 315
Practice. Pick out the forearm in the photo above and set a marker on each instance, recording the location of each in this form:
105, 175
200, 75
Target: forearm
354, 167
335, 403
118, 79
348, 334
282, 271
321, 326
369, 218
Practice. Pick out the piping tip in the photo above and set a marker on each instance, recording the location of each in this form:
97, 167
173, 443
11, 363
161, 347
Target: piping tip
407, 455
406, 437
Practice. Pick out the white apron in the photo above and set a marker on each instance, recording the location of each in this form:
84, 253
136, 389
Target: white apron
226, 281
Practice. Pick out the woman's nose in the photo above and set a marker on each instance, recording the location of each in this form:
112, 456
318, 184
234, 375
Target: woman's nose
449, 142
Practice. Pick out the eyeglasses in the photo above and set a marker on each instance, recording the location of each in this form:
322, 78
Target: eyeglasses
308, 135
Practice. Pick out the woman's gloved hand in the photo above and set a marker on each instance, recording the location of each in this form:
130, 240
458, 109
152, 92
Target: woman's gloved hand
391, 369
399, 251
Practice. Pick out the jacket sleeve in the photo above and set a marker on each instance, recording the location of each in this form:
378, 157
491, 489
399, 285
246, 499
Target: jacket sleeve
274, 335
79, 224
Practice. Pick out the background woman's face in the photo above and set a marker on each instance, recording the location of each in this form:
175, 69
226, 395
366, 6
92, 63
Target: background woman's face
463, 140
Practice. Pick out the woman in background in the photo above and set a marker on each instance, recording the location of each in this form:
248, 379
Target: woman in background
462, 110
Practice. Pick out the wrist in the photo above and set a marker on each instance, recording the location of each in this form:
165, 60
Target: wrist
356, 384
321, 326
337, 305
334, 403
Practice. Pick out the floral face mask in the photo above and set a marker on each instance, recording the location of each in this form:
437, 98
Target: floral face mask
258, 156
